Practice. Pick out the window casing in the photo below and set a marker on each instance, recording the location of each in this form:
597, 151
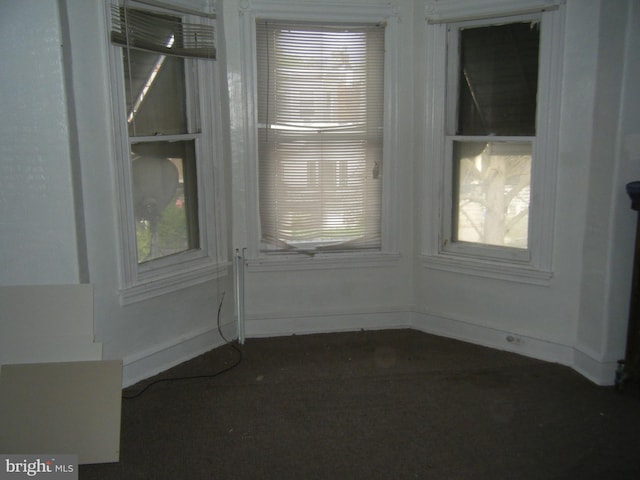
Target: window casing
170, 200
248, 234
493, 184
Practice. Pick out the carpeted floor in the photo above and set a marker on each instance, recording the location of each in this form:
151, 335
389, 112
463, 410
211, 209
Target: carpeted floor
396, 404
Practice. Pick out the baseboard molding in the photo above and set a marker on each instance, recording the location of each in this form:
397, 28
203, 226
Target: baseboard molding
494, 338
599, 372
257, 326
583, 362
163, 356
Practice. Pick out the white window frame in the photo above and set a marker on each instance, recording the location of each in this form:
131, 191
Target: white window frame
338, 13
533, 265
141, 281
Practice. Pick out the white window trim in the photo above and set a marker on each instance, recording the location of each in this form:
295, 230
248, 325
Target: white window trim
164, 275
536, 266
250, 11
439, 12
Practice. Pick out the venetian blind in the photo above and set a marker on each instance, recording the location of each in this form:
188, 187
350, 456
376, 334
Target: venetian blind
320, 117
163, 34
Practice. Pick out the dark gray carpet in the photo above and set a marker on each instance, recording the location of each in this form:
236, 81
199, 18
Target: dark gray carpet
396, 404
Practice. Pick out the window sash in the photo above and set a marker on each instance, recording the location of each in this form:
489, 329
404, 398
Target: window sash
497, 79
320, 117
156, 93
450, 242
491, 192
165, 199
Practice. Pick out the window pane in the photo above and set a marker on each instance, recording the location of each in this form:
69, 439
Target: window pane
165, 198
498, 80
492, 184
155, 93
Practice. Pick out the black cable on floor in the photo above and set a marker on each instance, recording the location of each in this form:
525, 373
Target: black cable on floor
193, 377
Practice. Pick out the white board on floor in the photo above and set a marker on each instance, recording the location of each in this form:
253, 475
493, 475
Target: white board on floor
63, 408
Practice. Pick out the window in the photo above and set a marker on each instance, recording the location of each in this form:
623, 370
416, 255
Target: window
491, 130
495, 88
320, 135
161, 62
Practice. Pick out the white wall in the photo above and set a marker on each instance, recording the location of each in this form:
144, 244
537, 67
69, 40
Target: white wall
623, 219
153, 334
48, 137
37, 226
577, 319
602, 307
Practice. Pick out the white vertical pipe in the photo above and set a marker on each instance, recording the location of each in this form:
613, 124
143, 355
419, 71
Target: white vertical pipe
239, 277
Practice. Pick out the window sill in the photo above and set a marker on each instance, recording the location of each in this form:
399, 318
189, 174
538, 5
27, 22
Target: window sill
523, 273
163, 283
321, 261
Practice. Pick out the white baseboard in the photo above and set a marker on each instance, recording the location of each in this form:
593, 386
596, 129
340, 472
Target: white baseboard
582, 361
599, 372
494, 338
301, 324
163, 356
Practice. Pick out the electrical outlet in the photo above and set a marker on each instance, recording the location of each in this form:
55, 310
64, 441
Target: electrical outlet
514, 340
